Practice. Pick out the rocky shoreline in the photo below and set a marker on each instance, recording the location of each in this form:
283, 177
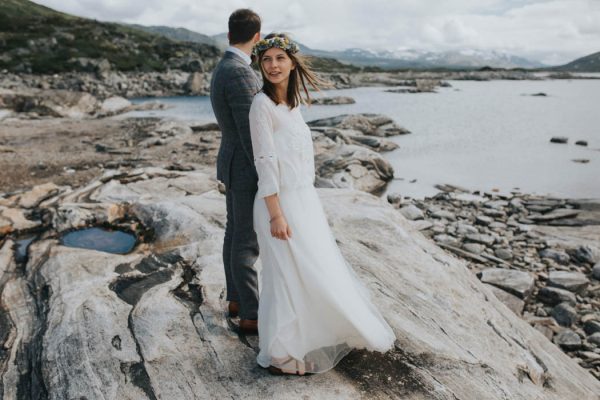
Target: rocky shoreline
104, 84
540, 255
435, 265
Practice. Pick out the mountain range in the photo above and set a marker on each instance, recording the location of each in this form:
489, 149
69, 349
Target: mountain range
468, 59
38, 39
34, 38
590, 63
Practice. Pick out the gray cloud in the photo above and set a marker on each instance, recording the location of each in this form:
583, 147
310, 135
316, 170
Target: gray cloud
552, 31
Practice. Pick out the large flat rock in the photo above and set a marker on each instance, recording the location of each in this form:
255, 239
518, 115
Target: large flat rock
151, 324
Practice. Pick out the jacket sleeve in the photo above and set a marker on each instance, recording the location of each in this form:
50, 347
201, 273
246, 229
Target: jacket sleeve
265, 157
240, 91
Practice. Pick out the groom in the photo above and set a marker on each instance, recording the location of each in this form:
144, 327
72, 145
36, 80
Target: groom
232, 88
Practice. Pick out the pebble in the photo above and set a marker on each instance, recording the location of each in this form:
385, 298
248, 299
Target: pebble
443, 214
594, 338
559, 256
483, 220
553, 296
592, 326
583, 254
480, 238
565, 314
596, 271
412, 212
503, 254
568, 339
474, 248
446, 239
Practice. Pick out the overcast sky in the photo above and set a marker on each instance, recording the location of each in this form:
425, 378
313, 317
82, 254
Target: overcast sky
550, 31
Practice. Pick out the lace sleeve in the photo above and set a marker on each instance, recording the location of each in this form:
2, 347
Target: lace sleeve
265, 157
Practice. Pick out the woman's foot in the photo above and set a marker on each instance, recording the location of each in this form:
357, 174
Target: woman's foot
290, 363
278, 371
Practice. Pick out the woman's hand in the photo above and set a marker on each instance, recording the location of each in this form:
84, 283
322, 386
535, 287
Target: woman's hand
280, 228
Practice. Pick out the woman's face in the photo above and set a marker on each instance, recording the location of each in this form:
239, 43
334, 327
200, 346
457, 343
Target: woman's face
277, 65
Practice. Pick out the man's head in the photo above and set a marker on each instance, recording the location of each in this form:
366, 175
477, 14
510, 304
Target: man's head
244, 26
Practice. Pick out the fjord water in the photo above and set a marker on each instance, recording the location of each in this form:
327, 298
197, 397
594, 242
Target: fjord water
478, 135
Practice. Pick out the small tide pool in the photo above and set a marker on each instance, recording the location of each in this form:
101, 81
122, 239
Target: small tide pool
101, 239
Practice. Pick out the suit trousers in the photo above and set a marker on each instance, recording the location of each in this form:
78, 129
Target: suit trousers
240, 252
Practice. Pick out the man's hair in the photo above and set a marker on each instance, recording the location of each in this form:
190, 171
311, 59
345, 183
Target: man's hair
243, 25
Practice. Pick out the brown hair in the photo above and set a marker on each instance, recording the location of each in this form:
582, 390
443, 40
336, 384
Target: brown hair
299, 77
243, 24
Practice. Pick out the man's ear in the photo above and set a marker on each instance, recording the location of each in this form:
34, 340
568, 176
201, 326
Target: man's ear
256, 37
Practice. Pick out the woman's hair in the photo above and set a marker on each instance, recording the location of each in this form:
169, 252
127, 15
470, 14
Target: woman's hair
299, 77
243, 25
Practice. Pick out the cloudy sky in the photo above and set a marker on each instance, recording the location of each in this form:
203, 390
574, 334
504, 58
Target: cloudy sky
550, 31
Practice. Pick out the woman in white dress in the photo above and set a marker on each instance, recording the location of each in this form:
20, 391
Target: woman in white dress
312, 307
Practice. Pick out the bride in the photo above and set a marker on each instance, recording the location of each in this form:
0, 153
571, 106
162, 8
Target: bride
312, 307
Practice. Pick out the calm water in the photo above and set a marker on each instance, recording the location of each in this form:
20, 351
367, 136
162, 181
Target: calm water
478, 135
100, 239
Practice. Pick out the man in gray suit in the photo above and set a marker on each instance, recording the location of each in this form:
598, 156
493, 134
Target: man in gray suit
232, 89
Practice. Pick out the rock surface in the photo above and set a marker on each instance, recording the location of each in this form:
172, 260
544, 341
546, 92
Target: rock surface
151, 324
347, 151
335, 100
35, 103
554, 255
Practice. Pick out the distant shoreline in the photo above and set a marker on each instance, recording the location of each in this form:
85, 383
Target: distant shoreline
181, 83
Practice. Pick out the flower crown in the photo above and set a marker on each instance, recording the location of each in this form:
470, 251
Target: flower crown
277, 41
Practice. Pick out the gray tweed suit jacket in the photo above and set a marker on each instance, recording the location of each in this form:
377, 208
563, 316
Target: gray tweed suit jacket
232, 88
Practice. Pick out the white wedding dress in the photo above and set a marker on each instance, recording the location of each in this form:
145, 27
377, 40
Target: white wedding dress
312, 307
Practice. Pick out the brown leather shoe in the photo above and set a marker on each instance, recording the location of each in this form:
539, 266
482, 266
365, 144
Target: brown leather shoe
233, 308
249, 326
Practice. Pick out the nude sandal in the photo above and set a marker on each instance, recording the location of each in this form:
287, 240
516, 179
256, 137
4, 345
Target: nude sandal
300, 368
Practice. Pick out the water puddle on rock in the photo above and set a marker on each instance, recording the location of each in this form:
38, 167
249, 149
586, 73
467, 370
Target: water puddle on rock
22, 247
101, 239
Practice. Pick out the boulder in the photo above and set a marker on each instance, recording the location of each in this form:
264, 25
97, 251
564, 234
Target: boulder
335, 100
411, 212
351, 166
559, 139
196, 84
114, 105
368, 124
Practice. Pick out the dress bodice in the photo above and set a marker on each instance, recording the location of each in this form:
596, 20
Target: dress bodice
282, 146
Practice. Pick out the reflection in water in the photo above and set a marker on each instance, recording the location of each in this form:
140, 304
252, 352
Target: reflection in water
110, 241
21, 248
